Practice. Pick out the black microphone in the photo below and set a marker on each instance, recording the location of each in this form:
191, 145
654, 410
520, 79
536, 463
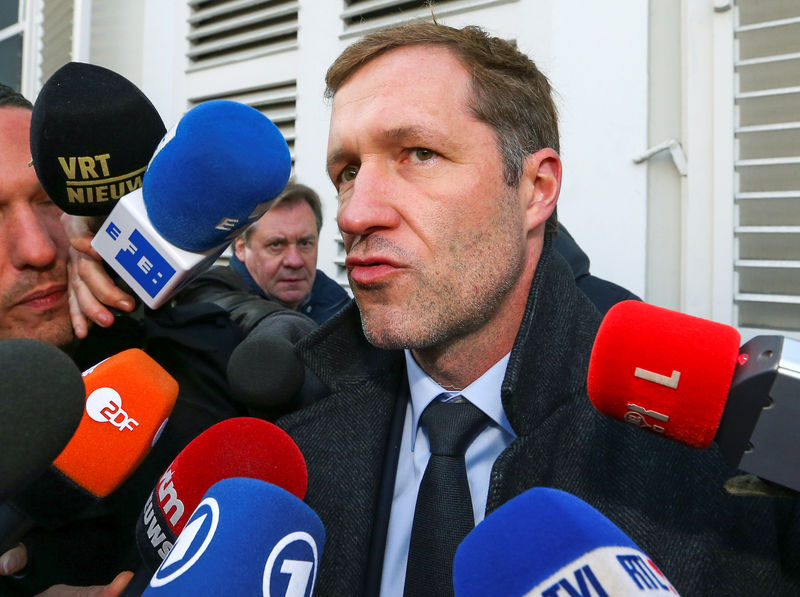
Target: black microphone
264, 373
41, 404
93, 133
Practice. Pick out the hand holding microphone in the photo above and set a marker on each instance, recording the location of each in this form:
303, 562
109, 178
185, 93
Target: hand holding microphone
212, 175
92, 291
93, 133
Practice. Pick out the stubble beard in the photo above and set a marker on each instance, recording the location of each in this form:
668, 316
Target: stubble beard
440, 309
53, 327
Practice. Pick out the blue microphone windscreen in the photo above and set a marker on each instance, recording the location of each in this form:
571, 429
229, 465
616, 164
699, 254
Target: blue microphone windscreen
246, 537
547, 542
214, 173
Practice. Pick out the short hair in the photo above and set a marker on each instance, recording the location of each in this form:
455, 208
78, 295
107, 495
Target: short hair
509, 93
292, 194
11, 98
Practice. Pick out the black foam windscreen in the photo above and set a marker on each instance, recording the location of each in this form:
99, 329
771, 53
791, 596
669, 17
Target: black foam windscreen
42, 398
93, 133
264, 372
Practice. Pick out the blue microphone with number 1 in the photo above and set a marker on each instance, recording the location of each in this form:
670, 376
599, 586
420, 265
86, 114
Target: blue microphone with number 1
246, 537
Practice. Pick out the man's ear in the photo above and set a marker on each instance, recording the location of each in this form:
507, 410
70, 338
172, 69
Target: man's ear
540, 186
238, 248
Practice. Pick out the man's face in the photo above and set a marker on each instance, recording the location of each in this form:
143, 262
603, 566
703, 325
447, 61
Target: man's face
281, 252
435, 239
33, 245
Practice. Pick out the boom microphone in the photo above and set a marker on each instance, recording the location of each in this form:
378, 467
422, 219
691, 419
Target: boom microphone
41, 403
687, 379
128, 399
92, 134
237, 447
548, 543
246, 537
212, 175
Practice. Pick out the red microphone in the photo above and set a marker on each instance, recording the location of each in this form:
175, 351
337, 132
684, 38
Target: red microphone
686, 378
237, 447
663, 371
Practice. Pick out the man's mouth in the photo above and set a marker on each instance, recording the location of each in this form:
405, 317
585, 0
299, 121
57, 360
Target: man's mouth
44, 299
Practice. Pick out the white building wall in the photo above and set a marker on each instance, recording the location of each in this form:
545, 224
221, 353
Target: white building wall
596, 55
596, 61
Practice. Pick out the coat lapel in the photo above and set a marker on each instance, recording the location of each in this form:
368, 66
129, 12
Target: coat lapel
344, 438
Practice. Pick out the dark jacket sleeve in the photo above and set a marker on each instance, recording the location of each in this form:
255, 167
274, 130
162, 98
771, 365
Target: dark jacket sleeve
221, 286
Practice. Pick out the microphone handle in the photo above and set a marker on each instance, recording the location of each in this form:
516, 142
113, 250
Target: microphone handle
138, 584
14, 525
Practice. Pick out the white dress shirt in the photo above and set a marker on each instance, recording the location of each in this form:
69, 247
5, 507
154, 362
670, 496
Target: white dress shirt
484, 393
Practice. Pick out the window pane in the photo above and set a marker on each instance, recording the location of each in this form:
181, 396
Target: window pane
9, 13
11, 61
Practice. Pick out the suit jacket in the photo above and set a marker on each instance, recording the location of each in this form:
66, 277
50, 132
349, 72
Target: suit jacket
668, 498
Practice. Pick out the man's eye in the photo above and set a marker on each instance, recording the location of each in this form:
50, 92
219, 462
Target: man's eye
348, 173
423, 154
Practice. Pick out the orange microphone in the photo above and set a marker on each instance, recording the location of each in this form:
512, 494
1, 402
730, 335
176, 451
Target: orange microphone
129, 397
128, 400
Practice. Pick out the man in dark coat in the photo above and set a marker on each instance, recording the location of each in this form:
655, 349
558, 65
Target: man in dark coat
443, 147
274, 265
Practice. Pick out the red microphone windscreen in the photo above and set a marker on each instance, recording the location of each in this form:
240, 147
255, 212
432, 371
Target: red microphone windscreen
128, 399
664, 371
237, 447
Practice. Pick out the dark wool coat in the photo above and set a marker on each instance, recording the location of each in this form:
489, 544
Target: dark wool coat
668, 498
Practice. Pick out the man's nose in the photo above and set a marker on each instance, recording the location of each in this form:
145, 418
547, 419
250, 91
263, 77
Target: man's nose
30, 238
366, 207
292, 257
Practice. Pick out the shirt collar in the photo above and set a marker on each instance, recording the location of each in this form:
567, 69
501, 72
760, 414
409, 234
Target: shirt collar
484, 393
